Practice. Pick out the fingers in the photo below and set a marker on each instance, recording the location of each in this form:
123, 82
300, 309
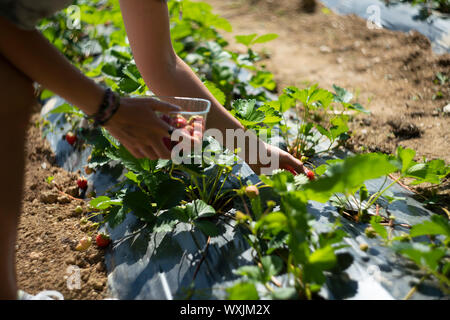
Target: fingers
290, 161
162, 151
149, 152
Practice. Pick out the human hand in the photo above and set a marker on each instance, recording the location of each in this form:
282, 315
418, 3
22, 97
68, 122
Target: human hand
286, 160
137, 126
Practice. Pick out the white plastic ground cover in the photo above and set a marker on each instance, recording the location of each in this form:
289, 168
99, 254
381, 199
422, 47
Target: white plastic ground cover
398, 16
144, 265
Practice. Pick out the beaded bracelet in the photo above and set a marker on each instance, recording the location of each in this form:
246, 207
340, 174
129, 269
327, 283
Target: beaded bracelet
109, 106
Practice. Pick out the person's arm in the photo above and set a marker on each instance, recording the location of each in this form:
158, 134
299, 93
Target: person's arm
148, 28
135, 124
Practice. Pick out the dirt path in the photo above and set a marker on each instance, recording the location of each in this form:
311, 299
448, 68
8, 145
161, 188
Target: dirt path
393, 74
50, 228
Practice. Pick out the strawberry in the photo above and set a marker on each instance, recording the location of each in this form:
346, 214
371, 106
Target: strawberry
102, 240
84, 244
82, 183
71, 138
310, 174
88, 170
178, 122
79, 210
252, 192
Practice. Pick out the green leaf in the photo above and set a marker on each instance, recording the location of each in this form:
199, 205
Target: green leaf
437, 226
323, 258
67, 108
381, 230
128, 85
169, 193
247, 112
265, 38
253, 273
406, 157
272, 265
243, 291
273, 223
104, 202
357, 107
140, 203
116, 216
199, 209
207, 227
285, 293
263, 79
349, 175
342, 95
246, 40
421, 254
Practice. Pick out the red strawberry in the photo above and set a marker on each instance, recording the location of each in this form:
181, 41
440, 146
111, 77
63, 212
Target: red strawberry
178, 122
310, 174
71, 138
103, 240
82, 183
290, 169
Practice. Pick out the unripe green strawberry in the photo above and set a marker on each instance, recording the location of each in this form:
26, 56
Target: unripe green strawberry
364, 247
370, 232
79, 210
84, 244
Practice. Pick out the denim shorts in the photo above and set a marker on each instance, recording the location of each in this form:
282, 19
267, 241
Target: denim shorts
27, 13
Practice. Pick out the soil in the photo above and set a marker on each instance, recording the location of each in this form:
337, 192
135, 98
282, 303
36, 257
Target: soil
392, 74
49, 230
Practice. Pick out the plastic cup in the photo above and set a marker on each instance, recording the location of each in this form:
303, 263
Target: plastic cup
191, 118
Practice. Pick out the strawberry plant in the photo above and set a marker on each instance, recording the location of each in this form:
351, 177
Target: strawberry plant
284, 242
344, 180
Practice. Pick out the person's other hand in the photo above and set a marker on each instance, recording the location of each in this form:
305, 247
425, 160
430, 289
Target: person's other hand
137, 126
286, 160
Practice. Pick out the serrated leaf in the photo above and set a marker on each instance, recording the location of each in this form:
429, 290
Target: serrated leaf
207, 227
199, 209
169, 193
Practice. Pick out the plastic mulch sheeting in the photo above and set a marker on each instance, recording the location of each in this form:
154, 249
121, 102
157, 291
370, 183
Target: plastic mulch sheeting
165, 265
400, 17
